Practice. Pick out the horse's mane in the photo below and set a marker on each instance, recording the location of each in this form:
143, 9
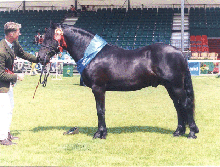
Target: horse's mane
71, 30
77, 30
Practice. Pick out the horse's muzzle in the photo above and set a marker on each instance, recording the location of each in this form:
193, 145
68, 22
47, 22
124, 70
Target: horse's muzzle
43, 57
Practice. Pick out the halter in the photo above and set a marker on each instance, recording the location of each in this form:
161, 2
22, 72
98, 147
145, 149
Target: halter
58, 36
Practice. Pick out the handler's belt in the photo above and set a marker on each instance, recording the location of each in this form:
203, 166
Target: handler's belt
10, 72
95, 46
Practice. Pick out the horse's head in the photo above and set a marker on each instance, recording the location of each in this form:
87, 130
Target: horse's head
52, 44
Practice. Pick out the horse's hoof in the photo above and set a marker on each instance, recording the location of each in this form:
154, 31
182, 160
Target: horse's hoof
192, 135
177, 134
179, 131
196, 130
100, 134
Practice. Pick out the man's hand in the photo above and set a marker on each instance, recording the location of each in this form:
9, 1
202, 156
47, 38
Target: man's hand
20, 77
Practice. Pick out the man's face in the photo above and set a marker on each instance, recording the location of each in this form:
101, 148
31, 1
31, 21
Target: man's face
15, 34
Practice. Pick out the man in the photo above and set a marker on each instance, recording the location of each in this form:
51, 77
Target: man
73, 10
9, 48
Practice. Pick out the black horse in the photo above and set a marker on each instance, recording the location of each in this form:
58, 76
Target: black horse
116, 69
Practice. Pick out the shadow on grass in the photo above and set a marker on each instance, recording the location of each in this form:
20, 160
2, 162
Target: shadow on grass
115, 130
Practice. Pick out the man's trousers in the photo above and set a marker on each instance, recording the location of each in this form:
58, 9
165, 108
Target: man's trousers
6, 108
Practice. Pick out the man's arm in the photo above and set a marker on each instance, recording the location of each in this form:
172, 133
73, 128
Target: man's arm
24, 55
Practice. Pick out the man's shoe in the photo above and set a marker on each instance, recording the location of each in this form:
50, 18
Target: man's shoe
6, 142
10, 137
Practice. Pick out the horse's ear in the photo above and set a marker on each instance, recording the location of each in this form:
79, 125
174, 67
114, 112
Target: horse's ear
51, 23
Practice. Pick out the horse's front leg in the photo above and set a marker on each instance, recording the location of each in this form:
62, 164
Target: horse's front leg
99, 93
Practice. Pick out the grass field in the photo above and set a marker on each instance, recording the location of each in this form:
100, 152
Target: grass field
140, 126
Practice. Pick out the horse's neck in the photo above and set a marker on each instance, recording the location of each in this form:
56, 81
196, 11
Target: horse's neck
76, 44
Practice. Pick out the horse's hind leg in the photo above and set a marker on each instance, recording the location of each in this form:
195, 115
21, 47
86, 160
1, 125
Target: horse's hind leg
190, 115
178, 97
184, 112
99, 94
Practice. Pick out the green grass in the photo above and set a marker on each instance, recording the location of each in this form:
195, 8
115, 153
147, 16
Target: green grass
140, 126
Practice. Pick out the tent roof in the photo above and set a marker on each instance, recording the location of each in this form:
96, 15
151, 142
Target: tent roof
16, 4
119, 2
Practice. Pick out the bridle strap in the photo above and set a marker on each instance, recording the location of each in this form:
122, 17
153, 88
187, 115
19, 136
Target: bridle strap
43, 70
44, 82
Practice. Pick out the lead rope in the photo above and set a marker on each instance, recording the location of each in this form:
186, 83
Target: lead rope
36, 88
38, 81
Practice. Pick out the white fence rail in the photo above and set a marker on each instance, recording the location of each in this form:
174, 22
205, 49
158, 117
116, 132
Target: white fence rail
197, 67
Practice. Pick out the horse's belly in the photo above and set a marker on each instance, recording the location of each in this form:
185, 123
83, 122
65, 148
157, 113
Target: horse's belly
132, 84
125, 85
123, 88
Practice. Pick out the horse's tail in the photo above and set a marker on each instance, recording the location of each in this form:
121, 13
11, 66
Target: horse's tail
188, 87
